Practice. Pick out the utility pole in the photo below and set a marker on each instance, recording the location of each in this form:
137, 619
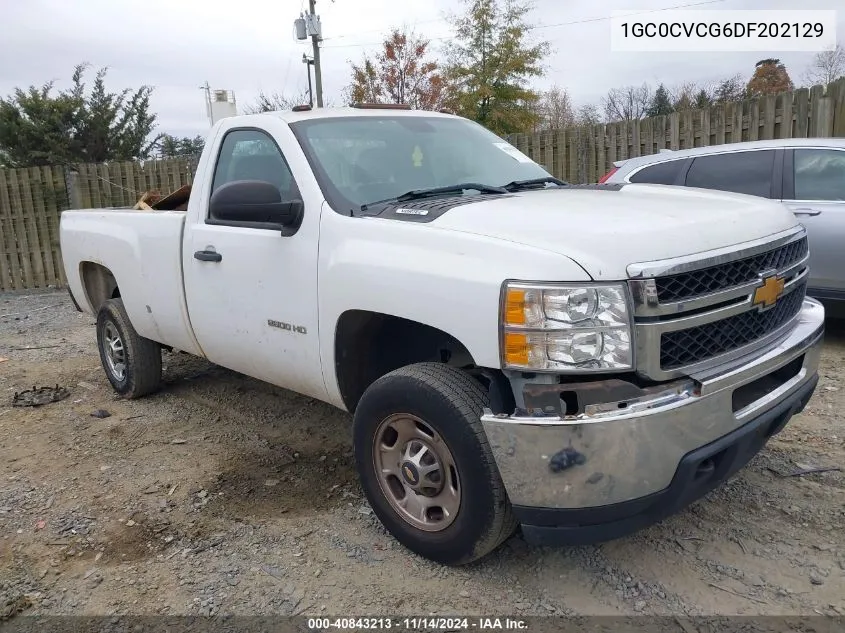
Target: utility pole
308, 25
315, 41
308, 63
207, 89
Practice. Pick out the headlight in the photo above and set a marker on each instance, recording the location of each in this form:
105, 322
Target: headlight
566, 327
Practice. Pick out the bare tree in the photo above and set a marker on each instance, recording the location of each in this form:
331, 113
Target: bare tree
827, 67
588, 114
730, 89
627, 104
684, 96
276, 101
555, 109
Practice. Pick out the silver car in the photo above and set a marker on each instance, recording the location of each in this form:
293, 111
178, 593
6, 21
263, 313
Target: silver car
807, 175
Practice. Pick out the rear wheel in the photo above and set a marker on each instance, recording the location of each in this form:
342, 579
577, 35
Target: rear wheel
425, 464
132, 363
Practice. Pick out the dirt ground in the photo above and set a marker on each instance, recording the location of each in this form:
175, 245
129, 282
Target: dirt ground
225, 495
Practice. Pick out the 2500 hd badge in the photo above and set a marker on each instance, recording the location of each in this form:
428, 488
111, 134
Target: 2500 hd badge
299, 329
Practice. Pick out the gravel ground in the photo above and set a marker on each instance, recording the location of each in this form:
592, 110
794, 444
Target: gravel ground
224, 495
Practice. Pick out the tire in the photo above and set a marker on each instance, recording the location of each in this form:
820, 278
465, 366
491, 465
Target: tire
73, 300
448, 402
141, 366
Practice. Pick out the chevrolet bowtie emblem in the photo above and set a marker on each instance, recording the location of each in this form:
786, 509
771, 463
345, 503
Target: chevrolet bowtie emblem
767, 295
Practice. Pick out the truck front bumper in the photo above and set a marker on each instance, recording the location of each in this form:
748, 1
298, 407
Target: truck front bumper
623, 465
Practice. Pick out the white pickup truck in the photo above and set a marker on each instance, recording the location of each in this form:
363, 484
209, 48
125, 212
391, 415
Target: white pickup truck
578, 360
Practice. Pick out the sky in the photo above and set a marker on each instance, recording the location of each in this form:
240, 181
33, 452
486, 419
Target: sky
249, 45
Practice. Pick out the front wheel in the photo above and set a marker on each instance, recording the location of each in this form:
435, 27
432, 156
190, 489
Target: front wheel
426, 466
132, 363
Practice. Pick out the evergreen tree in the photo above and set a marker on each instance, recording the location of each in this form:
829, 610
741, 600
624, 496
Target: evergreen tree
39, 127
490, 63
661, 103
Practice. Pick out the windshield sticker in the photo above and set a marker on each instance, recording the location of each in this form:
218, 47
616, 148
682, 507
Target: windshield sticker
412, 211
514, 153
417, 156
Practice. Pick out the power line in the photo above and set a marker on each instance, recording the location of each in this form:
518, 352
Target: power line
287, 70
337, 37
680, 6
541, 26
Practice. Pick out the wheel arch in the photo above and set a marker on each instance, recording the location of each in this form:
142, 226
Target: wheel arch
98, 283
369, 344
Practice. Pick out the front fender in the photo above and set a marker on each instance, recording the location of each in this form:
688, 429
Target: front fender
445, 279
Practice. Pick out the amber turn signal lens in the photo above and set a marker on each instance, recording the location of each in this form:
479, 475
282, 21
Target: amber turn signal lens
515, 307
516, 348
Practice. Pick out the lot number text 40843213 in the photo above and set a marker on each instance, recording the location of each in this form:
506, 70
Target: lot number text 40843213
418, 624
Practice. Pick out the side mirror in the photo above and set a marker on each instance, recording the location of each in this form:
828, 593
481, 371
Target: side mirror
254, 201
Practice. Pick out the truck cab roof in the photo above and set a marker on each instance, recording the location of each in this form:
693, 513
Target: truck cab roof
291, 116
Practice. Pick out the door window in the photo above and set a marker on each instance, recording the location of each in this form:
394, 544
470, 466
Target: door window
739, 172
664, 173
819, 174
253, 155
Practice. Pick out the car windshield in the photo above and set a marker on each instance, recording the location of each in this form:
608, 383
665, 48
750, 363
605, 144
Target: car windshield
362, 160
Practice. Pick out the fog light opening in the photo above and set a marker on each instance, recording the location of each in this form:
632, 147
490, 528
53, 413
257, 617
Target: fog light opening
569, 402
705, 468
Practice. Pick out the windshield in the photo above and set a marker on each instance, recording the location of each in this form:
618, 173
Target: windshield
361, 160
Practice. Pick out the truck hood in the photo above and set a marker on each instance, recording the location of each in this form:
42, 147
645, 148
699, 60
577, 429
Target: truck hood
604, 229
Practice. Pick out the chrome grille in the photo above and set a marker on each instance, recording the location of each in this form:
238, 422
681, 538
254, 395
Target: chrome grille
715, 278
693, 313
696, 344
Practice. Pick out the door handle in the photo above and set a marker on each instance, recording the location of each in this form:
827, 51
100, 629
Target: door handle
805, 211
208, 256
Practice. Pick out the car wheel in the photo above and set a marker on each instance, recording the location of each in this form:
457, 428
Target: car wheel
426, 466
132, 363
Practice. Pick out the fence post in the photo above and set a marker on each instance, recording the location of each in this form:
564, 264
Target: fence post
74, 196
583, 173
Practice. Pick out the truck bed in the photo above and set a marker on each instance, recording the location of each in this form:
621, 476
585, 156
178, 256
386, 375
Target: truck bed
143, 250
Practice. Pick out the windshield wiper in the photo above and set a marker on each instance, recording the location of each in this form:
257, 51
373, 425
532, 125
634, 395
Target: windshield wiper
417, 194
519, 185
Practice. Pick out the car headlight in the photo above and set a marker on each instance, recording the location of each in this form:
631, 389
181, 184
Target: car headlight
566, 327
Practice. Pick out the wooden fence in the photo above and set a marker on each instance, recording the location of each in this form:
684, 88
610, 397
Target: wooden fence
31, 200
585, 154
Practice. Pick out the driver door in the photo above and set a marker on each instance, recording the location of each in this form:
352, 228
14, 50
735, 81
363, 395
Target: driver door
252, 292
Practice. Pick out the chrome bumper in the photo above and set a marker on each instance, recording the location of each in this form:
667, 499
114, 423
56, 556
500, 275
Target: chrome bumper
610, 454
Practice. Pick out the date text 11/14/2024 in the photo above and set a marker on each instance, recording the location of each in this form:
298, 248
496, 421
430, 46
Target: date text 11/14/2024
434, 624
